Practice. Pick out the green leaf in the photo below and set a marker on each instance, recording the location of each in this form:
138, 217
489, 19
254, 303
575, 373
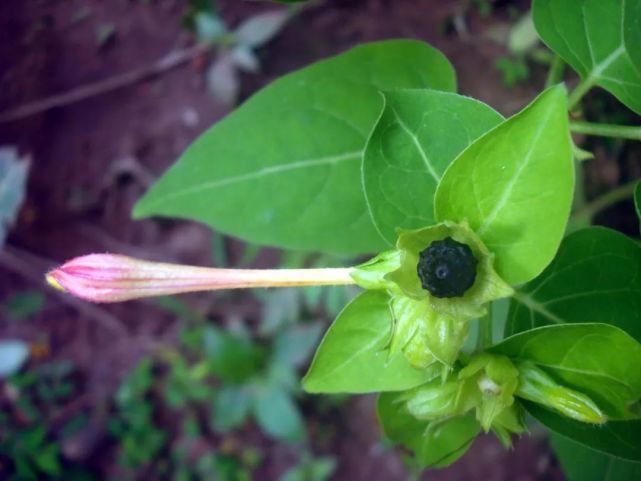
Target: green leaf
583, 464
419, 133
632, 31
589, 35
594, 277
284, 169
617, 438
352, 358
514, 187
438, 446
278, 415
230, 408
598, 360
637, 201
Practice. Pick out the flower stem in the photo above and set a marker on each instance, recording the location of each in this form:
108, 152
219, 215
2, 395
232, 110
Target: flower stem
589, 210
630, 132
577, 94
555, 74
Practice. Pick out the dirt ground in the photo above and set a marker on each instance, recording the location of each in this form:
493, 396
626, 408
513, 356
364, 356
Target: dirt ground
93, 159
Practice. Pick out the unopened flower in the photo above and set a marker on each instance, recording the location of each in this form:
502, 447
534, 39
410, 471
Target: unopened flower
537, 386
116, 278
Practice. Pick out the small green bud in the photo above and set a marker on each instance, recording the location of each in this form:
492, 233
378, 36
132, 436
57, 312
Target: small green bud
537, 386
492, 380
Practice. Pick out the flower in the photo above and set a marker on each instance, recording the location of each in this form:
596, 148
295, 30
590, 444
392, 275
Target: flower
116, 278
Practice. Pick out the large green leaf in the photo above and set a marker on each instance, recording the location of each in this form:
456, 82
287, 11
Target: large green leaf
353, 358
584, 464
514, 186
594, 277
632, 32
419, 133
589, 35
437, 447
637, 201
599, 360
616, 438
284, 169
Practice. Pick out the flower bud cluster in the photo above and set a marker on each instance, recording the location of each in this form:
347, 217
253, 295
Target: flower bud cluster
488, 385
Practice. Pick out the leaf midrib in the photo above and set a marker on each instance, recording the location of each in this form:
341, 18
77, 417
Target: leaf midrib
271, 170
507, 192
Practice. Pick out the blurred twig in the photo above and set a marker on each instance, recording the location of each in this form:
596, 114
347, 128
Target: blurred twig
32, 268
166, 63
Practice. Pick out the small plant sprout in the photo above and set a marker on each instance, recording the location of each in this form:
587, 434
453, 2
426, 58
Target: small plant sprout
372, 154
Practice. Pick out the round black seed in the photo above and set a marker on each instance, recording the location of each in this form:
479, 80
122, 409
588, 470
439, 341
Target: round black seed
447, 268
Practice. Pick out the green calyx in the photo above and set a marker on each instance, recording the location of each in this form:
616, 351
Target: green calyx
424, 335
489, 383
487, 285
486, 385
438, 279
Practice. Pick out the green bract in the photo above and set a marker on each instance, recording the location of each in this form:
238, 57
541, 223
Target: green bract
426, 328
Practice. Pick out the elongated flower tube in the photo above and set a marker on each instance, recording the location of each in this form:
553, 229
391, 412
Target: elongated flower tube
116, 278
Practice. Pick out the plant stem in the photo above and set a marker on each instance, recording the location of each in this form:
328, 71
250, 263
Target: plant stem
166, 63
630, 132
577, 94
589, 210
555, 74
485, 331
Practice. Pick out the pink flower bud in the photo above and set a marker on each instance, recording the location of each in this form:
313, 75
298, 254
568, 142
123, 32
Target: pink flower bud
115, 278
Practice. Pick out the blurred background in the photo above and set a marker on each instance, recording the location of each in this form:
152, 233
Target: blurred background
97, 99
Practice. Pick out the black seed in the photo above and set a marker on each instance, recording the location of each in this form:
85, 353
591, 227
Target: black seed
447, 268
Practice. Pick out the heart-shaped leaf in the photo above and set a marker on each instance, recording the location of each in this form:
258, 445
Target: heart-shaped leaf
514, 186
582, 357
594, 277
419, 133
597, 40
353, 358
285, 168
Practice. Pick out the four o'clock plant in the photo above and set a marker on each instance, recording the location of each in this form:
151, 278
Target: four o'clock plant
460, 211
